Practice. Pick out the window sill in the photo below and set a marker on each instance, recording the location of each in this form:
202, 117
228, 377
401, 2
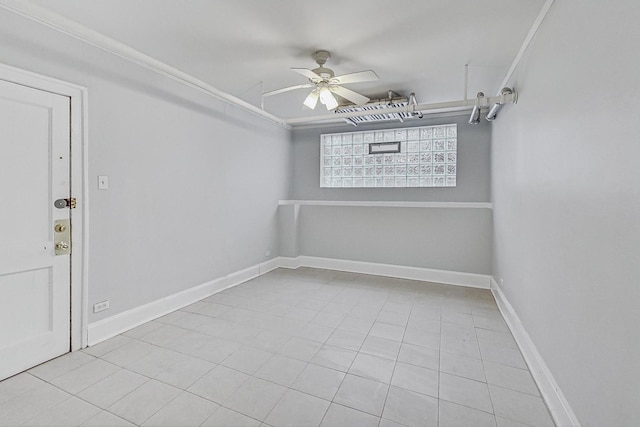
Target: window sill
379, 204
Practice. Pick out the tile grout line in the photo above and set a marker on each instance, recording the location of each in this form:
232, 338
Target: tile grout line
353, 289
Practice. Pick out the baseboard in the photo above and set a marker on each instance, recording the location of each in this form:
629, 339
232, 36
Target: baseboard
269, 265
400, 271
560, 410
122, 322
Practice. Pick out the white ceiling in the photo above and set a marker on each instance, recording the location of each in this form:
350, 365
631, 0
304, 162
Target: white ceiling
245, 47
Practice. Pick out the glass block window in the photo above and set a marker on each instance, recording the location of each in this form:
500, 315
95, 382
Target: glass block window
427, 158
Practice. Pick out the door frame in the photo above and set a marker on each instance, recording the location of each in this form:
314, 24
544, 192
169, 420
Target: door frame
79, 189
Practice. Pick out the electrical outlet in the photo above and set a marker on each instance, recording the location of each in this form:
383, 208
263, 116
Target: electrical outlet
267, 253
101, 306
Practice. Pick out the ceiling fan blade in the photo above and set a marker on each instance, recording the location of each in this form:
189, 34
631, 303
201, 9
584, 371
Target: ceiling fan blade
307, 73
312, 99
360, 76
287, 89
350, 95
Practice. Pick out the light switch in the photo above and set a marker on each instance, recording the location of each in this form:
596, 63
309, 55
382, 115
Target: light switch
103, 182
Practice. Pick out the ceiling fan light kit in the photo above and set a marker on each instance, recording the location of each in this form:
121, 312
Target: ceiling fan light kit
312, 99
326, 97
326, 85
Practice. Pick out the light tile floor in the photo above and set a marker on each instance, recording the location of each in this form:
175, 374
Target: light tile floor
296, 348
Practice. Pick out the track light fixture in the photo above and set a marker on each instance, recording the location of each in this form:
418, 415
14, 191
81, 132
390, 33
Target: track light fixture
390, 97
414, 102
475, 113
493, 111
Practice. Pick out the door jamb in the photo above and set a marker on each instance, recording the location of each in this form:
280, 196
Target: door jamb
79, 189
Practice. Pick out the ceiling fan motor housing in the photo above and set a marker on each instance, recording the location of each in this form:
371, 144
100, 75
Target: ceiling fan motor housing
321, 57
325, 73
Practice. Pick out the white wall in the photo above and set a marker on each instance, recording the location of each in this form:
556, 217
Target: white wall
194, 183
567, 204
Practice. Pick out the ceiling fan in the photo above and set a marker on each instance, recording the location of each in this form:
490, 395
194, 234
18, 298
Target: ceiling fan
326, 84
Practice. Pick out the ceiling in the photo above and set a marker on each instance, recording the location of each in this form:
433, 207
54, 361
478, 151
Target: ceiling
246, 47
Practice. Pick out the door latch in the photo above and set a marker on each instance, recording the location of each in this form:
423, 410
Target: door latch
62, 236
65, 203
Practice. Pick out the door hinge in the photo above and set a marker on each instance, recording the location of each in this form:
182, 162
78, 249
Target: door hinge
65, 203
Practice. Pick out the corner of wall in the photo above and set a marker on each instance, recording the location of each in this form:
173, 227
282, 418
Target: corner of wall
558, 405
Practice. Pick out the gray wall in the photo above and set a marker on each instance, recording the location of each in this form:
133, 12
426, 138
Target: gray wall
438, 238
567, 204
194, 183
473, 178
444, 239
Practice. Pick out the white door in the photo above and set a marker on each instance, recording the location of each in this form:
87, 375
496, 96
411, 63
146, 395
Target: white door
34, 172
